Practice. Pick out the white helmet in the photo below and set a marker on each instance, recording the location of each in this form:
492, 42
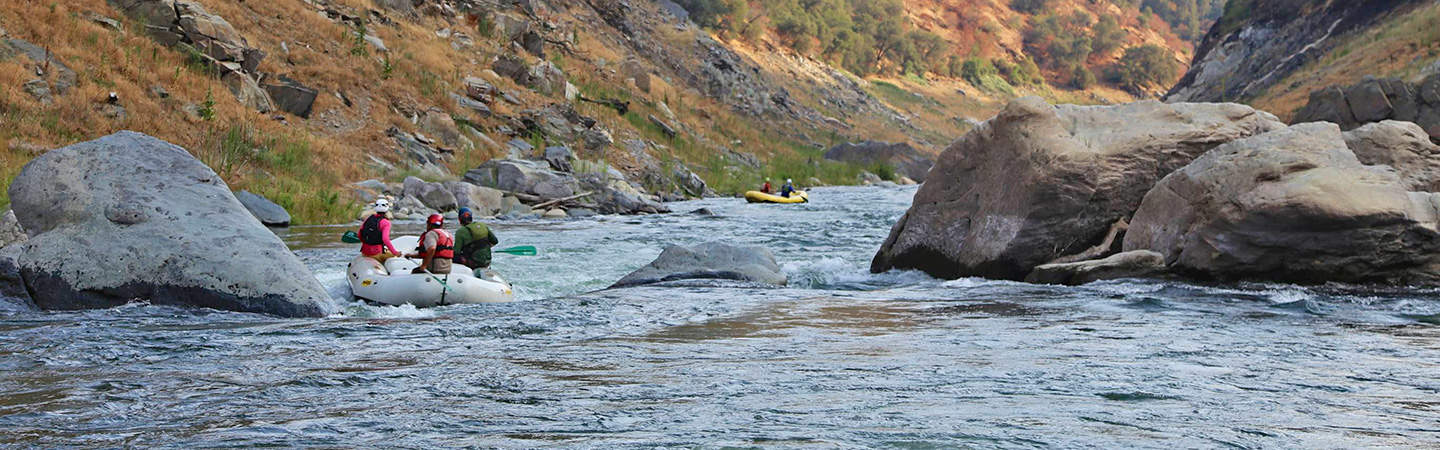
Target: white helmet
787, 180
382, 206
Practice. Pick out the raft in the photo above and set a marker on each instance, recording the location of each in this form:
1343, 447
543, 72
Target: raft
761, 197
393, 284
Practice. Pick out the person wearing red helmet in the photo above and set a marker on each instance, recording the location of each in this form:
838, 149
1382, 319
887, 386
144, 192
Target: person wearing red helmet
437, 247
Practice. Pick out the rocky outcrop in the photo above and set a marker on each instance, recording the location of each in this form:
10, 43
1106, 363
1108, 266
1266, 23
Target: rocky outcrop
1402, 146
1375, 100
436, 196
1039, 182
264, 210
905, 159
54, 77
482, 201
611, 193
1261, 42
181, 23
12, 286
542, 76
1293, 205
128, 216
291, 96
1136, 264
711, 260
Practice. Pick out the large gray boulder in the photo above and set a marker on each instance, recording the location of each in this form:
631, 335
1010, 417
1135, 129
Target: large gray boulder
1293, 205
129, 216
482, 201
526, 177
1401, 145
713, 260
1038, 182
264, 210
905, 159
1373, 100
291, 96
1139, 263
435, 196
611, 193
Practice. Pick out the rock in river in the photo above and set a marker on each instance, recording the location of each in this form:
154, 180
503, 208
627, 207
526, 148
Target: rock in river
1293, 205
129, 216
269, 213
1039, 182
1134, 264
712, 260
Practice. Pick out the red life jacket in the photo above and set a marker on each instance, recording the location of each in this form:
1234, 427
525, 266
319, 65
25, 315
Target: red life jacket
444, 243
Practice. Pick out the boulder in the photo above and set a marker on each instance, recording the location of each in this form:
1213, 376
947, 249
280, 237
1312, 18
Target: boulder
611, 193
12, 286
867, 178
434, 196
905, 159
1403, 146
1368, 101
560, 158
526, 177
688, 182
1038, 182
1375, 100
100, 238
1139, 263
264, 210
292, 97
480, 90
713, 260
482, 201
10, 231
1293, 205
438, 124
555, 213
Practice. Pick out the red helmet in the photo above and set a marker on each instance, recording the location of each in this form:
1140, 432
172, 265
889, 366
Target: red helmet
435, 220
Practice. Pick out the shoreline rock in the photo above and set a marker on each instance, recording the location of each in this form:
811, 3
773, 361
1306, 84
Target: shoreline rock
1038, 182
129, 216
264, 210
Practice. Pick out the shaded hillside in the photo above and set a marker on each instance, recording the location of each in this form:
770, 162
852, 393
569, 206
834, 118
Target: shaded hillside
1273, 53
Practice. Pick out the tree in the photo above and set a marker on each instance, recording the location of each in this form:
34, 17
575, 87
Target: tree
1029, 6
1144, 66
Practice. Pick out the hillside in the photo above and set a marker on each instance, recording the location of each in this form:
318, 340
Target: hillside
299, 99
1273, 53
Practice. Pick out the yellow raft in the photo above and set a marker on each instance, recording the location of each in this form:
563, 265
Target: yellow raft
761, 197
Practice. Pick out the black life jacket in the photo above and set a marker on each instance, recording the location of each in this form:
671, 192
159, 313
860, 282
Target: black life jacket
370, 232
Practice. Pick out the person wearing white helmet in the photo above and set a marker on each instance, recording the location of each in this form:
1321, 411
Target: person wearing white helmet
375, 233
788, 188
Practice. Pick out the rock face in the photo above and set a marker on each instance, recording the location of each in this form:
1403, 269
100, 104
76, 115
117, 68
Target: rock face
1293, 205
907, 160
1139, 263
1375, 100
1038, 182
711, 260
173, 23
482, 201
291, 96
1245, 54
266, 211
12, 285
101, 237
435, 196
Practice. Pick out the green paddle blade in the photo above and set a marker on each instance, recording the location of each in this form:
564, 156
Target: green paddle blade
350, 238
524, 250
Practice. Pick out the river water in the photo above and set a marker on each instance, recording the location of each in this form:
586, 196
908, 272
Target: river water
841, 358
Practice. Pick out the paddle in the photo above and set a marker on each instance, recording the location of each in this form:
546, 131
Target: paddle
350, 238
524, 250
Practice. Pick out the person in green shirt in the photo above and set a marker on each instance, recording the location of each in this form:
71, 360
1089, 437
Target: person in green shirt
473, 241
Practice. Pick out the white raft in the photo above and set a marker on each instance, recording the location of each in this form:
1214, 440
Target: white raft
393, 284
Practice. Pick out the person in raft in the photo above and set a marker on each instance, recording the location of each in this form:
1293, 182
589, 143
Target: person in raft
787, 189
437, 247
473, 240
766, 187
375, 233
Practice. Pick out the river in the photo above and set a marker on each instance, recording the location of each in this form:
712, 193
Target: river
841, 358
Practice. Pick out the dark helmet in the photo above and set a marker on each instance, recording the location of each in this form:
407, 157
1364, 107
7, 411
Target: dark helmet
466, 216
435, 221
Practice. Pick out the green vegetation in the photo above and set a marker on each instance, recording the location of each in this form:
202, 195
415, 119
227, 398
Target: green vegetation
293, 179
1143, 67
1029, 6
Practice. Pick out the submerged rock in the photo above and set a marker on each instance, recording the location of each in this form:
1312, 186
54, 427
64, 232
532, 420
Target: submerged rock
129, 216
269, 213
1039, 182
1293, 205
1134, 264
712, 260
